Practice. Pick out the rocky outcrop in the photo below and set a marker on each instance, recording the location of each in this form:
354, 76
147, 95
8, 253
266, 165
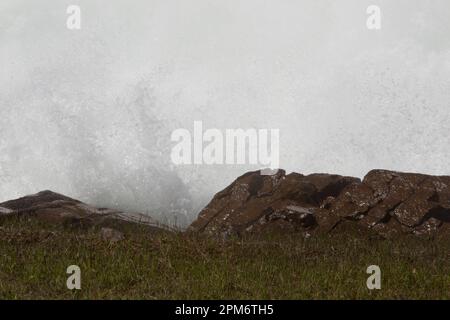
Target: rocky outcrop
391, 203
259, 203
55, 208
385, 202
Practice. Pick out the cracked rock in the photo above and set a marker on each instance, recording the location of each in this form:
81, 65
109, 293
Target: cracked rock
392, 203
387, 203
258, 203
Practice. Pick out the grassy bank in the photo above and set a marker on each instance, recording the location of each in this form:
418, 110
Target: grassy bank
34, 258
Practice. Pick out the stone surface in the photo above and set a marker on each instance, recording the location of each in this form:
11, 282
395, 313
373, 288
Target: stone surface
55, 208
258, 203
385, 202
392, 203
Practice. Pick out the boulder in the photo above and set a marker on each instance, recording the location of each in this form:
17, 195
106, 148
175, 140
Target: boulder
392, 203
386, 203
55, 208
258, 203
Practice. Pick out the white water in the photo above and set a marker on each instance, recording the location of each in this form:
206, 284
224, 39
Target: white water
89, 113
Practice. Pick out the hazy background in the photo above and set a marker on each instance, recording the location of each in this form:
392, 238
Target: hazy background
89, 113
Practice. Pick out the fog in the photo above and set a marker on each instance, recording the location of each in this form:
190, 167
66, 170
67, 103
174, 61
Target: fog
89, 113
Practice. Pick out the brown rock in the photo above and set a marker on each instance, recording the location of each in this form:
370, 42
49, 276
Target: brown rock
55, 208
387, 203
257, 203
392, 203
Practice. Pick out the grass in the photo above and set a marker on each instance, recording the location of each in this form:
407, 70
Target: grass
34, 257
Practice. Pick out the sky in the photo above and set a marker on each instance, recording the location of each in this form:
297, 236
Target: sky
89, 113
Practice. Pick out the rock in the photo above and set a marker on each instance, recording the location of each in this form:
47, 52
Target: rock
392, 203
384, 203
55, 208
111, 235
257, 203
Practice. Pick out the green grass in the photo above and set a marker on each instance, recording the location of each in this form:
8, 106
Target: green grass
34, 258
